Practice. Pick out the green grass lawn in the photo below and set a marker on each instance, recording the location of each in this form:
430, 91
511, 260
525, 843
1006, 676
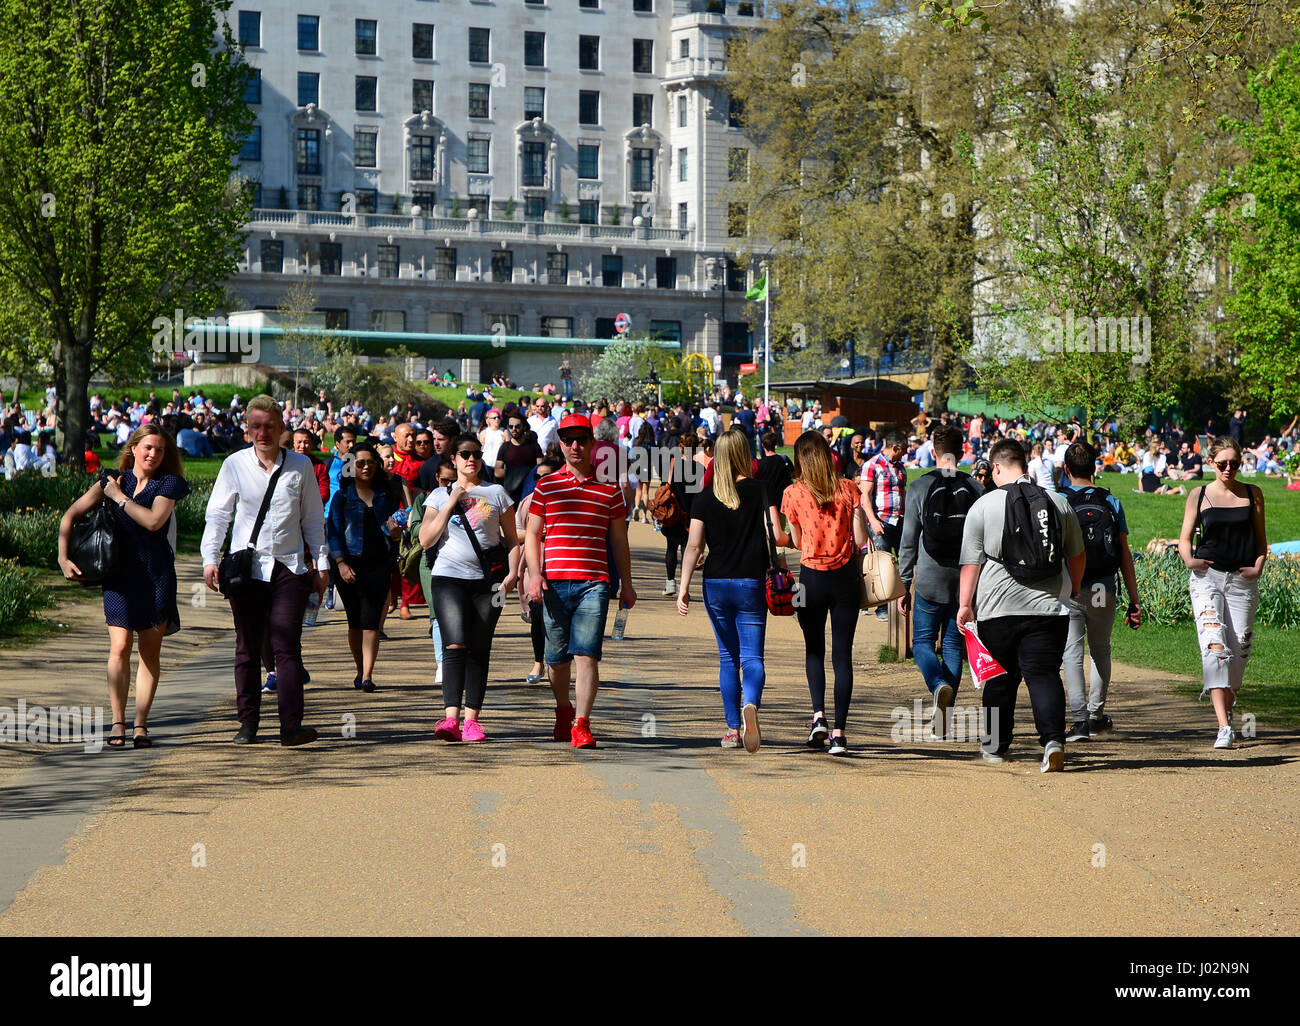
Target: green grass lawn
34, 399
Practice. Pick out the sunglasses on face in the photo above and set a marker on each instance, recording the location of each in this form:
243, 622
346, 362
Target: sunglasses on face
1227, 465
575, 440
365, 463
469, 454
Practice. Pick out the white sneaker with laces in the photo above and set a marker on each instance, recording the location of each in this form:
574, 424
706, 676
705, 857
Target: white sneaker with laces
992, 758
670, 588
1053, 758
1226, 736
437, 677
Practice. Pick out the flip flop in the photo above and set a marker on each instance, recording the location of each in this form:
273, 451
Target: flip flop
141, 742
117, 740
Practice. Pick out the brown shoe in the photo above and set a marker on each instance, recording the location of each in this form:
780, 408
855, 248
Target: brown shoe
405, 612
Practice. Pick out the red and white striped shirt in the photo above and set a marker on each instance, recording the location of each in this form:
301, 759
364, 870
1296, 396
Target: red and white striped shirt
576, 515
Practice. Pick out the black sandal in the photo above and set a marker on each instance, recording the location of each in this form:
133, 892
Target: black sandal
142, 742
117, 740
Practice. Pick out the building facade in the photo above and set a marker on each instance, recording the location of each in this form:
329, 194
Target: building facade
500, 167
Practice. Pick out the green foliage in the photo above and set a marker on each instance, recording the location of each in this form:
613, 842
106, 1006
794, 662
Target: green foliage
21, 596
508, 211
564, 211
1279, 593
1162, 583
30, 535
615, 214
622, 370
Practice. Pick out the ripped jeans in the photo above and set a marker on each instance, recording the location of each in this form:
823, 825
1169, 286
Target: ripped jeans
1223, 605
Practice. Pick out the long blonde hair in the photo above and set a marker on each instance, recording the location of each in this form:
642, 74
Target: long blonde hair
730, 460
814, 468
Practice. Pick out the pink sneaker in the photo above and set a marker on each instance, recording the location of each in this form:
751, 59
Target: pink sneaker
472, 732
447, 730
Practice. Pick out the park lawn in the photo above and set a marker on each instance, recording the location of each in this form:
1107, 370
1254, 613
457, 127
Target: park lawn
221, 395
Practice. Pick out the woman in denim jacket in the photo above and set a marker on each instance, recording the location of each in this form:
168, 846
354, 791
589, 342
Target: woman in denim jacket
359, 530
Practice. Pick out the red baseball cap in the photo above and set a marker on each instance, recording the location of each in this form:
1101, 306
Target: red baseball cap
574, 422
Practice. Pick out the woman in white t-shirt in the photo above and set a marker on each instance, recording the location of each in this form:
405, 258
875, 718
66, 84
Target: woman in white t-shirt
465, 600
491, 437
1041, 469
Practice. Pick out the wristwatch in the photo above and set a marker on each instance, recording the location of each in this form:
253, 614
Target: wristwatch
122, 505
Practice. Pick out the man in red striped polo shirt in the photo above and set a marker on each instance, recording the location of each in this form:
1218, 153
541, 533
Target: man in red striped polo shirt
578, 512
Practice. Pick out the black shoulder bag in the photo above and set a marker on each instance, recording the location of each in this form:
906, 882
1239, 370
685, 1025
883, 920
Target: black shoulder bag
495, 561
235, 571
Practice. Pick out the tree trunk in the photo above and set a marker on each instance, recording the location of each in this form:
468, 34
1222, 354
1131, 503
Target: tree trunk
941, 367
72, 381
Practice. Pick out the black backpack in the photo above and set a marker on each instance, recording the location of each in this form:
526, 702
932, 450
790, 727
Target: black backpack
1031, 533
1100, 530
943, 515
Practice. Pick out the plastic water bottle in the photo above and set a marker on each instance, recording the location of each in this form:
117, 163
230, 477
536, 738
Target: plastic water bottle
620, 623
313, 606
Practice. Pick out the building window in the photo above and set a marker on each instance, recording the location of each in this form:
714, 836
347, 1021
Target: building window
480, 45
331, 258
557, 327
443, 324
534, 103
683, 221
421, 95
588, 211
738, 164
252, 148
589, 53
643, 169
480, 201
590, 5
557, 269
588, 161
422, 158
535, 208
535, 3
387, 262
308, 32
422, 41
611, 270
367, 29
272, 256
250, 28
534, 163
309, 197
605, 328
643, 56
745, 10
684, 47
643, 6
737, 219
425, 199
254, 194
509, 322
735, 276
477, 149
253, 91
683, 114
444, 265
367, 92
503, 265
735, 111
479, 100
737, 339
683, 165
643, 108
666, 272
534, 49
366, 147
308, 152
308, 88
387, 320
335, 320
669, 331
589, 107
367, 200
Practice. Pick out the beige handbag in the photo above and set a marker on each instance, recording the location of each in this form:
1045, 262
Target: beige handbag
880, 580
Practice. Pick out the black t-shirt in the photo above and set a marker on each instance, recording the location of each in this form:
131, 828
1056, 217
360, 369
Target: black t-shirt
775, 472
737, 538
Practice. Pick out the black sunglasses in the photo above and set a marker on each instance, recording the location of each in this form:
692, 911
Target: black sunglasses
1229, 465
470, 454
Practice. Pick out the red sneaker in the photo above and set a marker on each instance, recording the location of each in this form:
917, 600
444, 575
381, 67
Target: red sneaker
582, 733
563, 722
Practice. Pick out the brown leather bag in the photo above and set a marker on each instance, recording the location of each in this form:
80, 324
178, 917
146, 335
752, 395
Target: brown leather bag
664, 507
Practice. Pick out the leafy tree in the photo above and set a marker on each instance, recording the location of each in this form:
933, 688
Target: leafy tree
119, 125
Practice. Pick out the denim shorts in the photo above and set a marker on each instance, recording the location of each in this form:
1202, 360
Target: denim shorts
575, 614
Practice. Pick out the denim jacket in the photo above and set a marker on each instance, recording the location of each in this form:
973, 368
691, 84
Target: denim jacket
345, 526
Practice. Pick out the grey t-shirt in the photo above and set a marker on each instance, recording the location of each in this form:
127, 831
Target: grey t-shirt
483, 507
998, 593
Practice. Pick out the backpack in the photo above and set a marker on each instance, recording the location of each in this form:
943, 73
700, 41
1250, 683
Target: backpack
1100, 530
664, 507
943, 515
1031, 534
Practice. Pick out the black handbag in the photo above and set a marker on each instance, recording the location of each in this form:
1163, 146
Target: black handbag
235, 571
94, 544
494, 561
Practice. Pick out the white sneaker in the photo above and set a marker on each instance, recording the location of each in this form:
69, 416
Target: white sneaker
1226, 736
992, 758
437, 677
670, 588
1053, 758
939, 722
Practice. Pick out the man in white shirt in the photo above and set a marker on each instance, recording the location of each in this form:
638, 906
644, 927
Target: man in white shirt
284, 574
543, 425
710, 416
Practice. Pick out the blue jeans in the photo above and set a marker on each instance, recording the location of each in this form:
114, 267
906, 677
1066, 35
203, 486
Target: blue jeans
575, 614
930, 621
738, 612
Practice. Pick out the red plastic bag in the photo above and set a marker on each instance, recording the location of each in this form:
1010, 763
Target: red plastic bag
983, 667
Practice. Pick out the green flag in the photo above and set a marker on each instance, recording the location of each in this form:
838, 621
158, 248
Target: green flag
759, 292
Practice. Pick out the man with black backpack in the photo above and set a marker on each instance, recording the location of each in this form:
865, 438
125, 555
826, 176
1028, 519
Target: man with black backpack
1092, 614
1013, 546
933, 521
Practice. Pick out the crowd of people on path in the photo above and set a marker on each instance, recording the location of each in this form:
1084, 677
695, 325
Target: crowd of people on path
533, 499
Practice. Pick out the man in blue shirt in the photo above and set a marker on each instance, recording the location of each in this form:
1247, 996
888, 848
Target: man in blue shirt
1092, 613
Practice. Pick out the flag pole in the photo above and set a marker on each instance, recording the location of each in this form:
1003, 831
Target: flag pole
767, 341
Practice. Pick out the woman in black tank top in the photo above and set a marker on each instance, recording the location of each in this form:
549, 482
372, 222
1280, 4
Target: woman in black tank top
1224, 546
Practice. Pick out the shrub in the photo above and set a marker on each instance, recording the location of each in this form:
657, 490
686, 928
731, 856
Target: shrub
1162, 583
20, 595
1279, 593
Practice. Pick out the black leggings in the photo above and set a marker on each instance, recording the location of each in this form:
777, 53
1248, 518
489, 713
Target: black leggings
537, 629
837, 592
466, 616
365, 599
676, 543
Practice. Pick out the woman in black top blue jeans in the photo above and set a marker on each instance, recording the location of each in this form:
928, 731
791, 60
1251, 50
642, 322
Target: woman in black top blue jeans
728, 517
1224, 546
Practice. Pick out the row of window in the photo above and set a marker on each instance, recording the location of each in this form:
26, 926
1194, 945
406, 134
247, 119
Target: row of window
438, 323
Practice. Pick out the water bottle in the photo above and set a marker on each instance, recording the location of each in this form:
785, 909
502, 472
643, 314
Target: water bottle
620, 622
313, 606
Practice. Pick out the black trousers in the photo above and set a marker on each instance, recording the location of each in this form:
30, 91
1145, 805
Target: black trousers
1031, 647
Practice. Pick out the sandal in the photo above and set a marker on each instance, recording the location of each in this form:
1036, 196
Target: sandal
141, 742
117, 740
